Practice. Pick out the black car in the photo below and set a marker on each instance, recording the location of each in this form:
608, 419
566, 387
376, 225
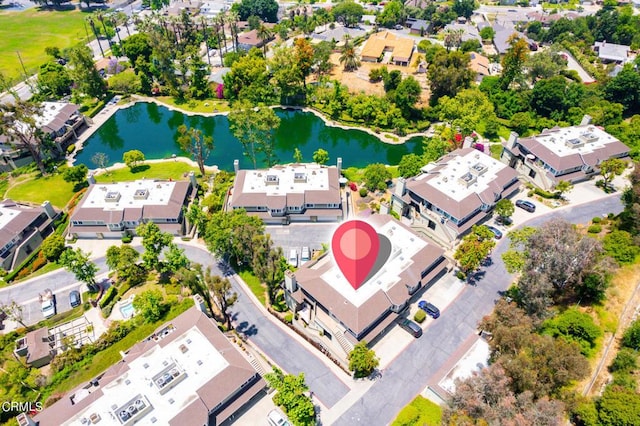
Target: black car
526, 205
411, 327
429, 308
74, 298
496, 232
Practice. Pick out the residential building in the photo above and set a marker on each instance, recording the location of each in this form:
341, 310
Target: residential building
454, 193
111, 210
23, 227
418, 26
325, 300
502, 35
177, 7
611, 52
186, 373
480, 65
467, 31
288, 193
336, 35
11, 157
398, 48
61, 121
250, 39
571, 154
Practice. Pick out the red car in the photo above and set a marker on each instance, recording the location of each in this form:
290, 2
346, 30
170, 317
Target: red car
353, 186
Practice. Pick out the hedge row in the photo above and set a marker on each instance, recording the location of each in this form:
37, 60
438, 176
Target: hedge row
108, 297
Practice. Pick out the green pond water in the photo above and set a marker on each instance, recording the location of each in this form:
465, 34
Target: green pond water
153, 129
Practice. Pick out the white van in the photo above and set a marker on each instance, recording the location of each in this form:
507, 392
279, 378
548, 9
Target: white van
275, 418
293, 258
306, 255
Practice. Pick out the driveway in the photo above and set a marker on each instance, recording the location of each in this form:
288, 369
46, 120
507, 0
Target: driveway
410, 372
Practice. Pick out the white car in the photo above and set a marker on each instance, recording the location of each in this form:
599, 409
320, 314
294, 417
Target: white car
306, 255
48, 308
293, 258
275, 418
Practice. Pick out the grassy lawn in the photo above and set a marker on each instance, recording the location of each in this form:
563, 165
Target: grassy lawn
496, 150
30, 31
204, 106
254, 284
52, 188
165, 170
420, 411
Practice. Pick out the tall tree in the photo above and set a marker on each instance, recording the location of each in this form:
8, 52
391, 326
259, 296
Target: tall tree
53, 79
304, 56
513, 61
230, 234
100, 159
407, 94
362, 360
19, 125
264, 34
504, 209
448, 73
474, 248
267, 10
84, 73
320, 156
195, 143
123, 260
223, 295
154, 242
255, 128
349, 57
611, 168
291, 396
77, 262
150, 304
268, 263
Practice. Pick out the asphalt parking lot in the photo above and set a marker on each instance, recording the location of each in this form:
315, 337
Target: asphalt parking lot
298, 235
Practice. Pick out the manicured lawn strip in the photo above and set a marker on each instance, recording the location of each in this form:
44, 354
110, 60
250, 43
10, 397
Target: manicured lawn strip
254, 284
213, 105
103, 360
52, 188
496, 150
30, 31
165, 170
420, 411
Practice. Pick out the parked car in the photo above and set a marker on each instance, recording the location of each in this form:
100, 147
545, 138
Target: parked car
496, 232
275, 418
353, 186
305, 255
74, 298
526, 205
399, 27
293, 258
410, 327
429, 308
48, 303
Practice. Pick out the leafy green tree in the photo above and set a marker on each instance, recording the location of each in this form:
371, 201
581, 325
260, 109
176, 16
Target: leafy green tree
611, 168
123, 260
303, 55
14, 311
520, 122
150, 304
393, 13
137, 46
267, 10
376, 177
631, 336
255, 127
407, 94
626, 361
268, 263
362, 360
487, 33
410, 165
434, 148
574, 326
563, 186
466, 110
474, 249
464, 7
621, 247
84, 73
554, 97
291, 396
126, 82
195, 143
624, 88
231, 234
504, 208
513, 61
54, 79
174, 260
390, 79
249, 80
321, 57
77, 262
133, 158
297, 155
348, 12
100, 160
618, 406
19, 126
52, 247
75, 174
154, 242
448, 72
471, 45
320, 156
223, 295
544, 64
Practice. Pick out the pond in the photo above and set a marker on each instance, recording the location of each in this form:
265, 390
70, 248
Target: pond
152, 129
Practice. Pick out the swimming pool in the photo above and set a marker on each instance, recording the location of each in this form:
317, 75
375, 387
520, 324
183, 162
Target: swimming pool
127, 310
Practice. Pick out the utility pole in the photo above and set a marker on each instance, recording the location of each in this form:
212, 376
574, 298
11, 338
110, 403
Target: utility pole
22, 64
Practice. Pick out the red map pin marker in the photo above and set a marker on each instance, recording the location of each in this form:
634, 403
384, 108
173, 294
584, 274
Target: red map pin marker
355, 245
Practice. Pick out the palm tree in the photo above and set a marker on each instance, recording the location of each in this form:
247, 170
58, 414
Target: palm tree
452, 38
264, 34
233, 22
349, 58
221, 21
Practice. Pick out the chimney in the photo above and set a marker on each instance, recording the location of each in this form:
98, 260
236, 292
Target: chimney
384, 208
585, 120
400, 186
49, 210
193, 180
339, 165
236, 165
200, 304
91, 179
513, 138
290, 283
24, 419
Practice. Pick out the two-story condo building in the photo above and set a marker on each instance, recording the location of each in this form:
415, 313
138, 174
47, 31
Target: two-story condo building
454, 193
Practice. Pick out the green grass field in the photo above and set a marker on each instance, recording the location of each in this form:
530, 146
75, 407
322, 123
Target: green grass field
164, 170
30, 31
420, 411
51, 188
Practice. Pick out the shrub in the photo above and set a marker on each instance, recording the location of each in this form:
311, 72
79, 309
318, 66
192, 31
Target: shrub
546, 194
173, 289
631, 337
363, 192
460, 275
288, 318
626, 360
127, 238
395, 214
596, 219
594, 229
420, 316
108, 296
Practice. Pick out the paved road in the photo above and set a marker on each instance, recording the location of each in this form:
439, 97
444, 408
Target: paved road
409, 373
